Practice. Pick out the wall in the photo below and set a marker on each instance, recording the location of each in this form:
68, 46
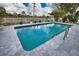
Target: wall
20, 20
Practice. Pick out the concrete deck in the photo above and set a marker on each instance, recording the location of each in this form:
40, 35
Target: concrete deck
10, 44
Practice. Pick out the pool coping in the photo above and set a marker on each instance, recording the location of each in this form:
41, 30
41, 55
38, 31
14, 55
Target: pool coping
33, 24
30, 24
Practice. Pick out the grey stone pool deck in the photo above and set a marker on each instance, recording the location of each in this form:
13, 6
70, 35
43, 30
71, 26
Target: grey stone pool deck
10, 44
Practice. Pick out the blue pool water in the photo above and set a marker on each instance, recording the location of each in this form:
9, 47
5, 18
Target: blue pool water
33, 36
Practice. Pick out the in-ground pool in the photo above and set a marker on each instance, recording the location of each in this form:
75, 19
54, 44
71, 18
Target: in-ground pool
32, 36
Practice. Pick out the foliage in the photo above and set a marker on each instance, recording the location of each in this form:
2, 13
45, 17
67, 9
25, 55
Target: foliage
63, 9
58, 13
2, 12
76, 16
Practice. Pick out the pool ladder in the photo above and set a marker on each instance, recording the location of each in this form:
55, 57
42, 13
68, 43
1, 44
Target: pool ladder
66, 33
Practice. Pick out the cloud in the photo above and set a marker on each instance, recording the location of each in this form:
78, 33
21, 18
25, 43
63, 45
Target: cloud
19, 7
39, 11
13, 7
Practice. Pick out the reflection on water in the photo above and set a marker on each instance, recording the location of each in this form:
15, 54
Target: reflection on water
33, 36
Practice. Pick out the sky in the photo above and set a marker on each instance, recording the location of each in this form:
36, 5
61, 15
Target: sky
40, 8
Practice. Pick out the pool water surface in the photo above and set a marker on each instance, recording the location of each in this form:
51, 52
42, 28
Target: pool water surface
33, 36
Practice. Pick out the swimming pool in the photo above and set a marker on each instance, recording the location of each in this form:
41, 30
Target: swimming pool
34, 35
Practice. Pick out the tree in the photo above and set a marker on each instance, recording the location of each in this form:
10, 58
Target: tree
23, 12
69, 7
64, 8
76, 16
58, 13
2, 12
